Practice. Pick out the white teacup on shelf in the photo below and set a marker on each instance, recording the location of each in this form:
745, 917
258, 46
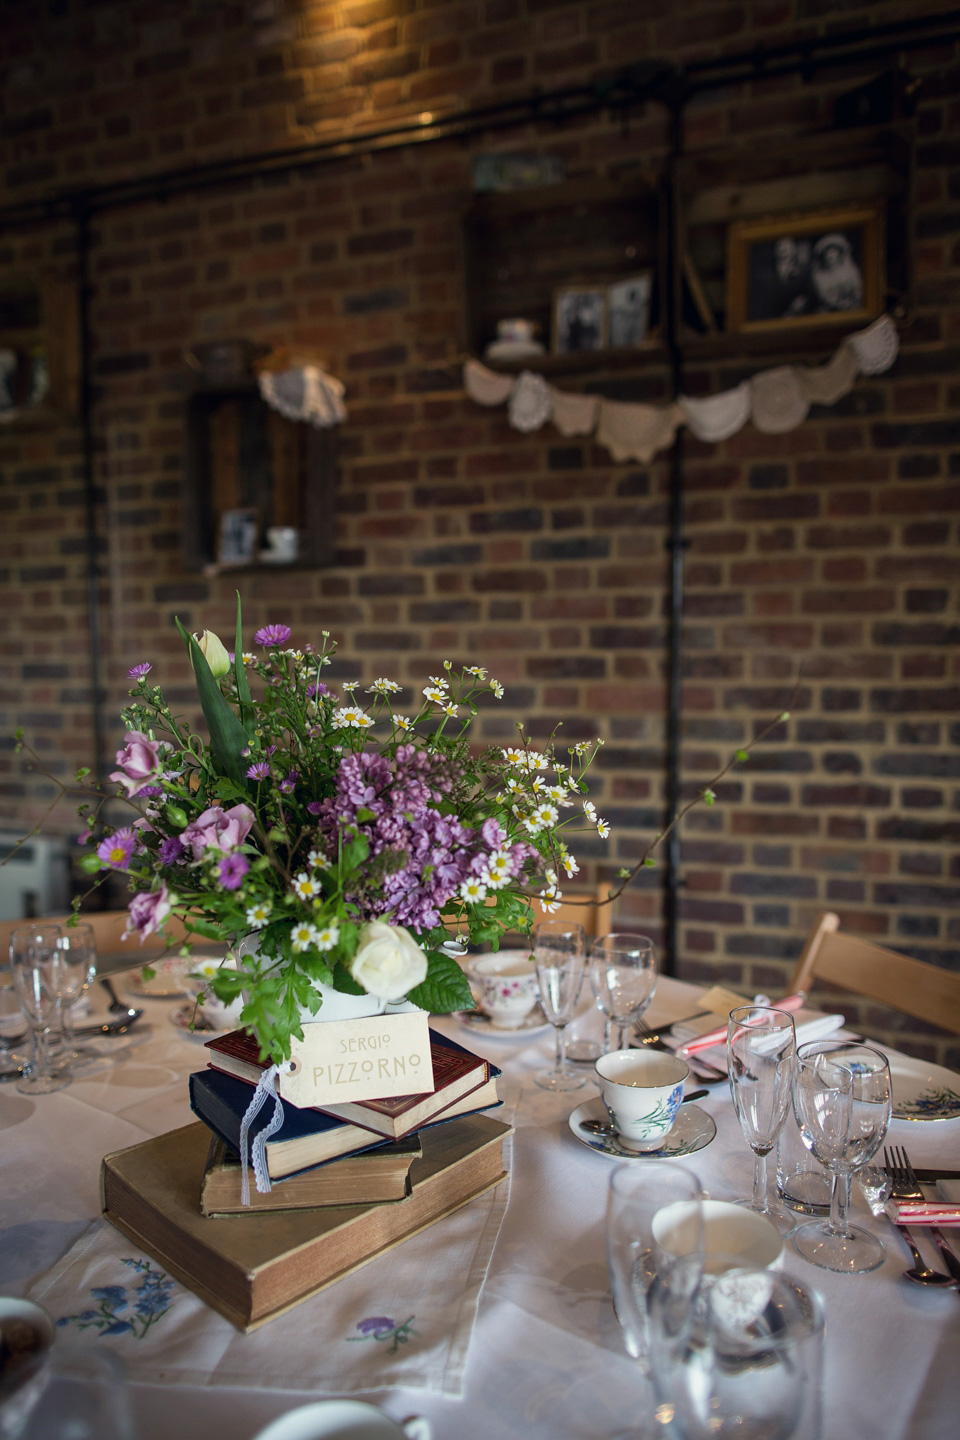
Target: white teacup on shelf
505, 986
642, 1090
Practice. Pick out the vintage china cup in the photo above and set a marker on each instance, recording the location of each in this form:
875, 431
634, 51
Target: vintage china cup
28, 1335
732, 1235
505, 985
343, 1420
642, 1090
197, 983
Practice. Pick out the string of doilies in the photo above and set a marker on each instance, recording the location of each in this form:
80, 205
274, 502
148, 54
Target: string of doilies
774, 400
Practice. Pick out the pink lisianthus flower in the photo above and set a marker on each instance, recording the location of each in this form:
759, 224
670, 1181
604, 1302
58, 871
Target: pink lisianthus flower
139, 763
218, 829
148, 911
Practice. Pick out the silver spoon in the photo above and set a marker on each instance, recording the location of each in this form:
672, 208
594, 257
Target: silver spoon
921, 1274
603, 1127
117, 1025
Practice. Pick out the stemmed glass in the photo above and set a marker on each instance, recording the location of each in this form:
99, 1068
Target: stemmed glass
78, 957
37, 978
654, 1214
12, 1032
842, 1099
623, 977
761, 1048
558, 956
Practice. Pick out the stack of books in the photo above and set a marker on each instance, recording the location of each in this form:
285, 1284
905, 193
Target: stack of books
347, 1182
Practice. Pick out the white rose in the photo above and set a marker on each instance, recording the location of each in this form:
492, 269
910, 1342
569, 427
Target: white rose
388, 962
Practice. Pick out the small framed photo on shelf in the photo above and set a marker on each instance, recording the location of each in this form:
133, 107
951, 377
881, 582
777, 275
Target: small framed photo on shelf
579, 319
808, 268
628, 310
239, 530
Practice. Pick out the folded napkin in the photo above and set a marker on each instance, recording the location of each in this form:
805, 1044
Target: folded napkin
702, 1038
949, 1190
922, 1212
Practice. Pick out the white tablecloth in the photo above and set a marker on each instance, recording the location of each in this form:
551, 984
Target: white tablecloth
546, 1360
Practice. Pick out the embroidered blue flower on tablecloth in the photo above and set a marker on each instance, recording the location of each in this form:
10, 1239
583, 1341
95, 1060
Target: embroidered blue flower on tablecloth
152, 1299
382, 1328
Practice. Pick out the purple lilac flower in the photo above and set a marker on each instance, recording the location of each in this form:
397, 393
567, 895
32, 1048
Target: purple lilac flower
137, 672
117, 849
270, 635
232, 870
259, 771
171, 850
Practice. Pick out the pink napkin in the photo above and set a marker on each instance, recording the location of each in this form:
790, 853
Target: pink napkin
922, 1212
719, 1036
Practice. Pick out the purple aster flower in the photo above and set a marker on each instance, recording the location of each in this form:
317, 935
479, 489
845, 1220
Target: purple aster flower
151, 790
259, 771
272, 635
171, 850
232, 870
316, 807
288, 784
137, 672
116, 850
318, 689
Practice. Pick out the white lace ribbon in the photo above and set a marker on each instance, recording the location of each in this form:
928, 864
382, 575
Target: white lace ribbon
266, 1088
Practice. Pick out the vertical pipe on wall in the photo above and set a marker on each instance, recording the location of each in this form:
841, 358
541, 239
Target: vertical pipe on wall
94, 626
676, 543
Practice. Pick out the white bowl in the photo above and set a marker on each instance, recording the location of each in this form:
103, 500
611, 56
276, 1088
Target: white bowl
731, 1233
22, 1391
343, 1420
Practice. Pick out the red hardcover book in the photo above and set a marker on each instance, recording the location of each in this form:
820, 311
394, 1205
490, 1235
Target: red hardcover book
457, 1074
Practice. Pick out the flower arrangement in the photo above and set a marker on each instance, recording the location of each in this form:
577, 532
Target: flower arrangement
337, 831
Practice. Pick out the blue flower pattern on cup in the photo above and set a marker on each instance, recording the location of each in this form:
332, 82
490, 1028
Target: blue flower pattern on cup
151, 1300
660, 1120
383, 1328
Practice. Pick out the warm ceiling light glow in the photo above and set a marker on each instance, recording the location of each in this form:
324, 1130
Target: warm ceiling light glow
425, 117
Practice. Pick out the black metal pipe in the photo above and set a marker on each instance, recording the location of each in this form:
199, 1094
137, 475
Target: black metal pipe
94, 627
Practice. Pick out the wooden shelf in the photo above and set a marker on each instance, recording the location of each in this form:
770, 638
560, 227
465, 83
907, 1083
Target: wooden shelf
652, 352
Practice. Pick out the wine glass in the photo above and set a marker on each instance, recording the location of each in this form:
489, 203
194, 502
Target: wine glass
654, 1214
11, 1024
842, 1099
623, 977
734, 1353
761, 1046
78, 956
37, 977
558, 956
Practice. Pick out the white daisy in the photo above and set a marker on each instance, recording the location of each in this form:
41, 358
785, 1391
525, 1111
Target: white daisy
303, 937
327, 937
440, 681
402, 722
497, 689
590, 810
450, 709
317, 860
434, 693
383, 687
258, 915
549, 901
546, 815
570, 865
349, 684
473, 891
513, 755
603, 829
478, 670
305, 887
350, 717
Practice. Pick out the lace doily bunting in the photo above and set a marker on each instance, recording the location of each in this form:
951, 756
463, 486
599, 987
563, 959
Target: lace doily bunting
636, 432
529, 404
877, 347
485, 386
717, 417
304, 393
574, 414
777, 403
826, 384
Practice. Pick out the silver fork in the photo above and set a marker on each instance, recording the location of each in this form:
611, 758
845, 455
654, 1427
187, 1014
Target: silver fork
646, 1036
921, 1273
906, 1186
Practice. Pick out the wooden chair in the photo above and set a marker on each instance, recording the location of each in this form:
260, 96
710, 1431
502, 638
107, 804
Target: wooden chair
924, 991
108, 928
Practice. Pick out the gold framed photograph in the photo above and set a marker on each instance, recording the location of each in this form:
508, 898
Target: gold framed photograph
811, 267
579, 319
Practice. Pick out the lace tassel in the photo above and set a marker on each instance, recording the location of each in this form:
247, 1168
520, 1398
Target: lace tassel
266, 1089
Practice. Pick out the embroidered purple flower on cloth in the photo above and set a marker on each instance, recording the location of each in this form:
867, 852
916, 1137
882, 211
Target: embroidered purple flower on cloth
382, 1328
269, 635
151, 1300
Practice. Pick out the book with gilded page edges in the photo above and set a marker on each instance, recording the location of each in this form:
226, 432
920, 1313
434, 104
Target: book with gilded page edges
456, 1072
253, 1269
379, 1174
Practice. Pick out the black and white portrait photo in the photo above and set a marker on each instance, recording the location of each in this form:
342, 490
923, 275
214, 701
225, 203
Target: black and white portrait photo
629, 310
805, 268
579, 320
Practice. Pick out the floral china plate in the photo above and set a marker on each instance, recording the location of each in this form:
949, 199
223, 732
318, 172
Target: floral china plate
190, 1020
693, 1130
165, 982
480, 1024
923, 1091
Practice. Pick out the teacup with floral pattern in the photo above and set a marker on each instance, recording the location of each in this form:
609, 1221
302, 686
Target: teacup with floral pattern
504, 986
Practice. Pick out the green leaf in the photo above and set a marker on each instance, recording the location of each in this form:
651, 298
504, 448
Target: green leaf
742, 755
248, 716
343, 980
197, 926
228, 739
445, 987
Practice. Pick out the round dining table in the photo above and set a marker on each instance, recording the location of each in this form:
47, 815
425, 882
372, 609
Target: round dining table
540, 1354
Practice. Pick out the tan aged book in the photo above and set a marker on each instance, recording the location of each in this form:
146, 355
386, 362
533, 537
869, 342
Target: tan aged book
373, 1175
253, 1268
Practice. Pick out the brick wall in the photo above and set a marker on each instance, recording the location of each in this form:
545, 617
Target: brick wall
833, 548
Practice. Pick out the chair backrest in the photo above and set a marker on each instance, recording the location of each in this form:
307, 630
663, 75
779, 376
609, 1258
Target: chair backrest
108, 928
924, 991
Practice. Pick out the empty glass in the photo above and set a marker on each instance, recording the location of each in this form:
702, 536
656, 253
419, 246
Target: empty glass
623, 977
558, 955
37, 977
736, 1354
654, 1214
761, 1045
842, 1100
78, 966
